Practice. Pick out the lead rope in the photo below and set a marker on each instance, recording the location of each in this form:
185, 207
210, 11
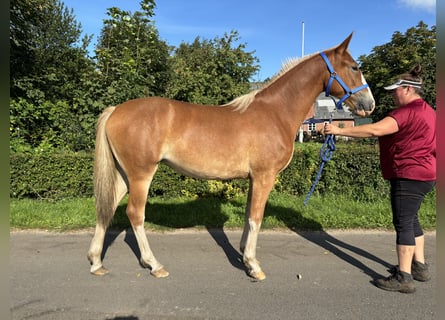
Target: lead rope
326, 152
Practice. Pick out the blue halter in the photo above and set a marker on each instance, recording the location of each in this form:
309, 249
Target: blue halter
328, 148
333, 77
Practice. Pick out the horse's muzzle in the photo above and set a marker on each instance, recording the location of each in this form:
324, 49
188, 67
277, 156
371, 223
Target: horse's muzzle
365, 106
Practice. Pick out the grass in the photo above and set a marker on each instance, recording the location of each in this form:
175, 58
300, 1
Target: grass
282, 211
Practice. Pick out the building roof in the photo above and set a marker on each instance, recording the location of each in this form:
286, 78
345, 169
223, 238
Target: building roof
325, 107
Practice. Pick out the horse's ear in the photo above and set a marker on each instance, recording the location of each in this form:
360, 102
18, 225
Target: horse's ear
344, 45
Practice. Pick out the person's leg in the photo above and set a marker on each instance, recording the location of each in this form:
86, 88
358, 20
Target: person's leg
419, 267
404, 210
406, 198
419, 252
405, 203
405, 256
420, 271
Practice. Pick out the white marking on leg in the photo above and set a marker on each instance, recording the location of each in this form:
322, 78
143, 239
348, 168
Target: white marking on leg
244, 236
147, 257
96, 247
249, 256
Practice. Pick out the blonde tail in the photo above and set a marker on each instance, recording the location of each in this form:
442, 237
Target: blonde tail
105, 173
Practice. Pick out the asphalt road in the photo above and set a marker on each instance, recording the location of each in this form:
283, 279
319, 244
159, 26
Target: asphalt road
50, 279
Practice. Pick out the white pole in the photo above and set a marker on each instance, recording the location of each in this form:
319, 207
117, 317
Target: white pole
302, 40
300, 131
300, 134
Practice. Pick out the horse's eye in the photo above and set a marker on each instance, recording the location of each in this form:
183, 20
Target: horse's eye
354, 68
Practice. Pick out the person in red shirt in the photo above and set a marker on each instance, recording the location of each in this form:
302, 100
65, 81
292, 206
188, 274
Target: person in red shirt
407, 142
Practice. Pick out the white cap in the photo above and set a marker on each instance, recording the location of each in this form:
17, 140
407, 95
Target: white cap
404, 83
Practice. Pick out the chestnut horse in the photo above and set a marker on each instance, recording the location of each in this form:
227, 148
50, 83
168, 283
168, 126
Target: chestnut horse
251, 137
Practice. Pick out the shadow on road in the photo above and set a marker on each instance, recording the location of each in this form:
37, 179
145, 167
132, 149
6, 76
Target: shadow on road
200, 212
318, 236
204, 212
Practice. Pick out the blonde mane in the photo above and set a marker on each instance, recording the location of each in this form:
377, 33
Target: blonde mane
241, 103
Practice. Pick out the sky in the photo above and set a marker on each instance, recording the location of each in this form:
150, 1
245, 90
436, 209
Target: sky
274, 30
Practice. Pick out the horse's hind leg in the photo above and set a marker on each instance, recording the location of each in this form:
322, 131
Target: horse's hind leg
96, 246
95, 251
136, 214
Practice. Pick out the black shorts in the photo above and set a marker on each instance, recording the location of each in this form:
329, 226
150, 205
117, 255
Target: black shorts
406, 198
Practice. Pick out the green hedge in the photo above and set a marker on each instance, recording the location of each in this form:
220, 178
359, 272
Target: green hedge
353, 171
51, 176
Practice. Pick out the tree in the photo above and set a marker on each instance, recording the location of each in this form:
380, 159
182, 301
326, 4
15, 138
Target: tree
45, 56
211, 71
130, 55
405, 50
49, 65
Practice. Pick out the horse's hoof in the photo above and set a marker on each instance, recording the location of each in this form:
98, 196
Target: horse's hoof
100, 272
260, 275
160, 273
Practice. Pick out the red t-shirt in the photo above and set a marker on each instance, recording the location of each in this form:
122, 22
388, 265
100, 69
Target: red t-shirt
410, 153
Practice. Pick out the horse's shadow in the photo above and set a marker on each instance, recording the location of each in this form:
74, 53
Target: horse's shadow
208, 213
199, 212
320, 237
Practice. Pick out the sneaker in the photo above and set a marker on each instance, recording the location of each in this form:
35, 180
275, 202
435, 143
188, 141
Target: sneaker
398, 281
419, 271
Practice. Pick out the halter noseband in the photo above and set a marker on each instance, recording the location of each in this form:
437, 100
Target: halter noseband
333, 77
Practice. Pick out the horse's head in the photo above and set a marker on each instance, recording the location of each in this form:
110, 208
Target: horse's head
350, 85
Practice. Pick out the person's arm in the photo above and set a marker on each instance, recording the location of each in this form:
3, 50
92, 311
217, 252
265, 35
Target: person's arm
383, 127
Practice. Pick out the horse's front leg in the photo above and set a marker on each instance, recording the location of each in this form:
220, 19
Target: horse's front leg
258, 193
246, 222
136, 214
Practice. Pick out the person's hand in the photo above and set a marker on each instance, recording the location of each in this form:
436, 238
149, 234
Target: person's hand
330, 129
